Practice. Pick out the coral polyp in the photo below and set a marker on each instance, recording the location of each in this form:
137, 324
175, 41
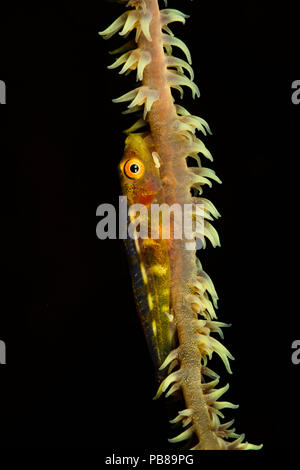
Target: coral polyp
175, 297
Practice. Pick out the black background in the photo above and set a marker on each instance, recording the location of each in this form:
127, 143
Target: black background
78, 372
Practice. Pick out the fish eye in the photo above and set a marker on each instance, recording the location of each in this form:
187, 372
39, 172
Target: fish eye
134, 168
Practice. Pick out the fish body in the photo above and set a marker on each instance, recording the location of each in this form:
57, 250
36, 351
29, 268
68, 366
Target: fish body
148, 257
